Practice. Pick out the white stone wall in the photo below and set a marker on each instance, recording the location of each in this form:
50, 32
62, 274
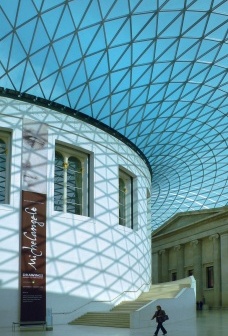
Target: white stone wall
89, 259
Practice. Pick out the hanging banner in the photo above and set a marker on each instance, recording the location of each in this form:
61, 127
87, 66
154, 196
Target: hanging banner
33, 227
33, 257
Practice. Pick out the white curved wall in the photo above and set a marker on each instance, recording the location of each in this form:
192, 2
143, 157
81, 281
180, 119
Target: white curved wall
88, 258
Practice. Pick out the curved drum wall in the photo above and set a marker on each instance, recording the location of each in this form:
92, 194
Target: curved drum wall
92, 261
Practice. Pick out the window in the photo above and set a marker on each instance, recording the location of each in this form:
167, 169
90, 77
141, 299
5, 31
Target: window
4, 167
174, 276
210, 276
71, 181
190, 272
125, 199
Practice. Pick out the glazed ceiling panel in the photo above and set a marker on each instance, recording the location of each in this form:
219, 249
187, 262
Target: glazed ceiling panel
155, 71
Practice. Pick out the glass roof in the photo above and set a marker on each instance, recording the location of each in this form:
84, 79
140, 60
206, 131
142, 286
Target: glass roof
153, 70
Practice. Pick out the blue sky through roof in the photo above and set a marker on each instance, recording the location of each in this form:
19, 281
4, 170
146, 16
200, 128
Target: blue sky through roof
156, 71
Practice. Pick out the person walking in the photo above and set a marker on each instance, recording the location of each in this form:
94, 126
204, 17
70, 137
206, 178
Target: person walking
159, 315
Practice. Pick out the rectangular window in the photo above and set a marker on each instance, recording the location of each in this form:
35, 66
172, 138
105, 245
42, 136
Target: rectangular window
174, 276
4, 167
71, 182
210, 276
125, 199
190, 272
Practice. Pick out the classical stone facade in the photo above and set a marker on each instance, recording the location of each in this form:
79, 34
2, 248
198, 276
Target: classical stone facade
195, 243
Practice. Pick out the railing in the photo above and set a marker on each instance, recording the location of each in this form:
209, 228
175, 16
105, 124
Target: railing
115, 300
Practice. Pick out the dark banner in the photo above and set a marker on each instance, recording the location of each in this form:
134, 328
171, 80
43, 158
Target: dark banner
33, 257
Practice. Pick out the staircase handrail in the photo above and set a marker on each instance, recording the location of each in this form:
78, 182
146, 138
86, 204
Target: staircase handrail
102, 301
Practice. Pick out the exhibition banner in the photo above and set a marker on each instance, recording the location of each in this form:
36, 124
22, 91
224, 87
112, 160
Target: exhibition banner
33, 227
33, 257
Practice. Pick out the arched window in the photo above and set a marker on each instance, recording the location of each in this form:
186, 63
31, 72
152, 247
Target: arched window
71, 181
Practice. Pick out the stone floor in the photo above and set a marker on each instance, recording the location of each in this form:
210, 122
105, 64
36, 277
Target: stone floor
208, 323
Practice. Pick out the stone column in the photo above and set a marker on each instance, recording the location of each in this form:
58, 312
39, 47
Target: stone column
197, 267
164, 265
155, 268
180, 261
217, 269
224, 269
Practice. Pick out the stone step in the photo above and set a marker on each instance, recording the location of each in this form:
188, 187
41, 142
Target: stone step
119, 316
104, 319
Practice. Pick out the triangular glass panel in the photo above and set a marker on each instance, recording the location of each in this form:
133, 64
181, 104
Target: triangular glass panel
10, 10
35, 61
116, 78
64, 24
216, 77
85, 37
83, 99
95, 86
122, 35
142, 52
143, 26
73, 53
105, 7
200, 6
124, 60
194, 24
49, 5
180, 71
51, 64
74, 95
215, 31
91, 15
208, 50
187, 49
138, 96
166, 51
114, 54
103, 90
112, 29
5, 51
142, 6
96, 45
47, 85
141, 75
173, 91
39, 43
15, 76
59, 83
79, 76
164, 75
169, 24
18, 53
119, 120
92, 62
102, 67
25, 34
29, 80
123, 104
119, 7
119, 101
6, 27
199, 72
61, 48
